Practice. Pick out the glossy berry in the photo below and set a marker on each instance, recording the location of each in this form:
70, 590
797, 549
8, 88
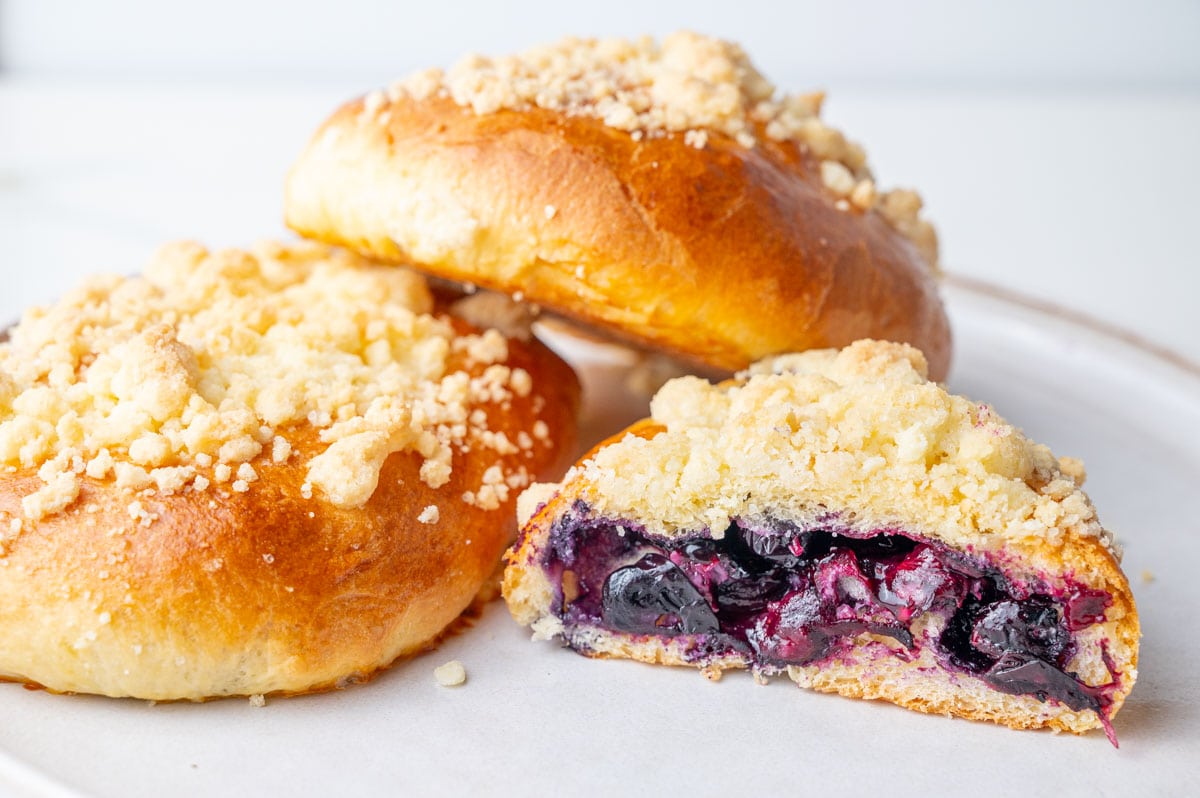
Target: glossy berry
1023, 674
654, 597
1032, 627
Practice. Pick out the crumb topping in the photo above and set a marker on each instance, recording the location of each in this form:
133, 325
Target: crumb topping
179, 379
688, 84
450, 674
860, 430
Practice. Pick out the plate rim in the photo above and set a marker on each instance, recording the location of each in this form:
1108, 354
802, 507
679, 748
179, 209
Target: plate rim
1060, 313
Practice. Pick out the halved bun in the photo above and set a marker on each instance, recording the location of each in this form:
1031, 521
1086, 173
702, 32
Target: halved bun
838, 517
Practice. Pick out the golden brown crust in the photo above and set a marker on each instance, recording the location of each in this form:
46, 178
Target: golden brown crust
228, 593
1012, 506
720, 255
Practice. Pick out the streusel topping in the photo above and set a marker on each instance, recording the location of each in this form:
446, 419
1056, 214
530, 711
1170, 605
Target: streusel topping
179, 379
861, 429
688, 84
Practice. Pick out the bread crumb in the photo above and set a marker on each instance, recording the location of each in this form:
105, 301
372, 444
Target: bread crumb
546, 628
281, 450
258, 700
864, 195
451, 674
837, 178
695, 138
429, 515
100, 466
550, 211
1147, 576
57, 493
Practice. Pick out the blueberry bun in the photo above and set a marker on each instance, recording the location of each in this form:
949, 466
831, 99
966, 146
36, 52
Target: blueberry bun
837, 517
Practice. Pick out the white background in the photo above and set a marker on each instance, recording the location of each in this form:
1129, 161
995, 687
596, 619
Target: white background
1054, 142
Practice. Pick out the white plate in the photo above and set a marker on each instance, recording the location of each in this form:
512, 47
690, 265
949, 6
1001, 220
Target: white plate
537, 719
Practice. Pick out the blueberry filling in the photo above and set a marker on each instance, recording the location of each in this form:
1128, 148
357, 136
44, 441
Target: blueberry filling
776, 595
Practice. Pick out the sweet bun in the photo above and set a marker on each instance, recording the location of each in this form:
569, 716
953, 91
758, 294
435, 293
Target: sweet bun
257, 472
662, 193
835, 516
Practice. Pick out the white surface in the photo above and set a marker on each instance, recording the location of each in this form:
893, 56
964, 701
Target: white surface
940, 42
535, 719
1085, 200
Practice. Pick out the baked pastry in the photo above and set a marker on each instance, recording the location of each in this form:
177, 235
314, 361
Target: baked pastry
836, 516
663, 193
252, 472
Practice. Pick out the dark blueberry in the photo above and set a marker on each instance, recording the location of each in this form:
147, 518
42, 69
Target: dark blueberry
1033, 627
956, 638
1086, 607
896, 631
654, 597
851, 628
774, 547
751, 593
782, 546
1020, 674
812, 544
702, 549
879, 547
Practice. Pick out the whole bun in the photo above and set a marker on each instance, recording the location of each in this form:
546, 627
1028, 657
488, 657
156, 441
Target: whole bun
663, 193
361, 506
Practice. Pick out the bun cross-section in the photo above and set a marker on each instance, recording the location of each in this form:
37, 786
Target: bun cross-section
837, 517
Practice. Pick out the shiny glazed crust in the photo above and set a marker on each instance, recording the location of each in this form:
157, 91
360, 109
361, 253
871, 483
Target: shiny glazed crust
720, 255
263, 591
1012, 489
